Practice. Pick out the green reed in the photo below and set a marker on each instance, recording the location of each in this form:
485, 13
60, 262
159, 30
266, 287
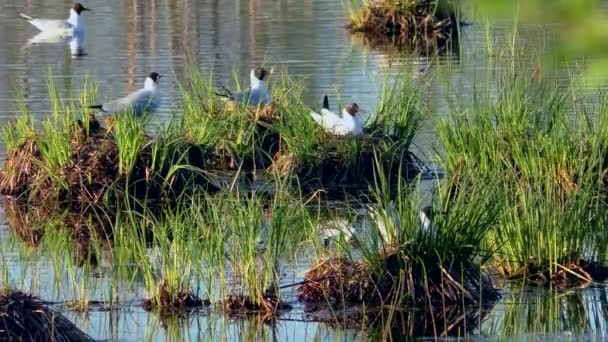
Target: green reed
130, 135
549, 166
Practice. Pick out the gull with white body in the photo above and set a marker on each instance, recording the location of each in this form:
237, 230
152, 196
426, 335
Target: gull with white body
147, 99
57, 27
256, 95
389, 223
348, 123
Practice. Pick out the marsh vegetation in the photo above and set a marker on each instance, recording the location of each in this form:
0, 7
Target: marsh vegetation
257, 215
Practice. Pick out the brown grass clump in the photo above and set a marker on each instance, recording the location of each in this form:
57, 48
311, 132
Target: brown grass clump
93, 166
23, 317
422, 21
399, 280
185, 299
269, 305
349, 171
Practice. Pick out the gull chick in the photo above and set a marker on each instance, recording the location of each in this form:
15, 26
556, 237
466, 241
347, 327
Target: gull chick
74, 24
256, 95
348, 123
146, 99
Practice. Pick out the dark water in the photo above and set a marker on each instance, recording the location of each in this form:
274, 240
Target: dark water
128, 39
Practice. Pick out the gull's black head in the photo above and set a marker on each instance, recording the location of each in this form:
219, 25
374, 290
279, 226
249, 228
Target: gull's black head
155, 77
428, 211
79, 8
352, 109
261, 73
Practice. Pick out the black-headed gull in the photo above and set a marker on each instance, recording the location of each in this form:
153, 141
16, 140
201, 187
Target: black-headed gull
147, 99
74, 24
256, 95
348, 123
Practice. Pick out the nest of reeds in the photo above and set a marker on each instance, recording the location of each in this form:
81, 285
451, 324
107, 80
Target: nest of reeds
414, 21
24, 317
341, 281
184, 299
570, 274
93, 166
347, 170
93, 170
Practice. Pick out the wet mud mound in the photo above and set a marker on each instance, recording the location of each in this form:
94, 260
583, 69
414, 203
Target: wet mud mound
91, 176
348, 171
185, 299
24, 317
423, 23
343, 282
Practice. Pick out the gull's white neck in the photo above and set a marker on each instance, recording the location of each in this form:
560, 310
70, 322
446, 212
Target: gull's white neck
425, 221
346, 114
150, 84
76, 20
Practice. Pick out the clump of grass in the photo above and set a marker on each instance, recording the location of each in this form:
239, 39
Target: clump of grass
130, 137
423, 22
550, 169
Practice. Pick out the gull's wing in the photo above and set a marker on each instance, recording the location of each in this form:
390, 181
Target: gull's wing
250, 97
48, 24
326, 119
138, 101
317, 117
241, 96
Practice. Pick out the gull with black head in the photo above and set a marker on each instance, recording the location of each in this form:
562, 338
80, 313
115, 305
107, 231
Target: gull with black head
73, 25
349, 122
256, 95
147, 99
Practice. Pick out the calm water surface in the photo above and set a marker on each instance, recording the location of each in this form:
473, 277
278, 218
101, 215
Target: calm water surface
128, 39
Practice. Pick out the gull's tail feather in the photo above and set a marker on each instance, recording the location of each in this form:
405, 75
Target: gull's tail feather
96, 107
25, 16
325, 102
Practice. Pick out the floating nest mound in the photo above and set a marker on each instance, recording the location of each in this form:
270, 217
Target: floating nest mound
571, 274
92, 178
24, 317
421, 22
269, 305
93, 171
185, 299
340, 281
336, 170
